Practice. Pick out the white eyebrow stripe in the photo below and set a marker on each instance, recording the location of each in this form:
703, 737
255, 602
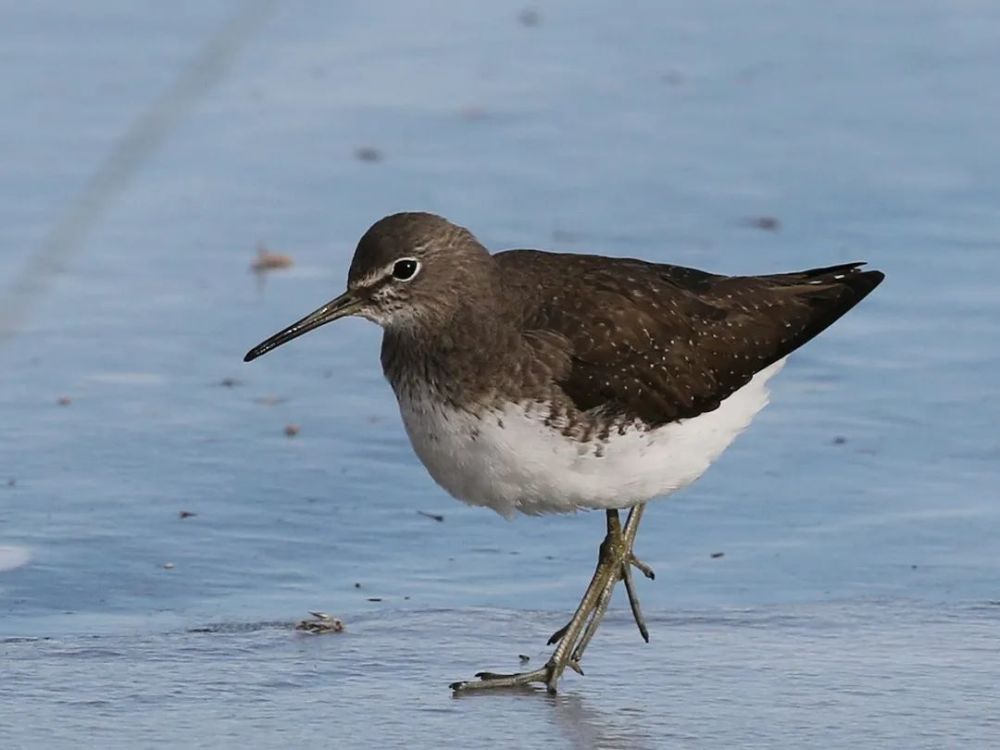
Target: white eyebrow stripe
372, 276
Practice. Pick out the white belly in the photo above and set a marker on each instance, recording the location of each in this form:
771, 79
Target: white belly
511, 461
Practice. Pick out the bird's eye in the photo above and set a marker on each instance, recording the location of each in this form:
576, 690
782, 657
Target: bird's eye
405, 269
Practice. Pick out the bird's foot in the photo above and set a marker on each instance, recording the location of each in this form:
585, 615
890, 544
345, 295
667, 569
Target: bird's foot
614, 564
489, 680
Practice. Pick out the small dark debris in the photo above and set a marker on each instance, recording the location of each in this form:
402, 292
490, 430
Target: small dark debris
839, 440
406, 598
529, 17
367, 153
11, 482
374, 598
717, 555
913, 567
64, 401
291, 430
186, 514
322, 623
767, 223
435, 516
357, 585
268, 261
270, 400
524, 658
230, 382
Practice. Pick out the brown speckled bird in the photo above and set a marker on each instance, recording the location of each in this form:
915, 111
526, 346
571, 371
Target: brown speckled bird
539, 382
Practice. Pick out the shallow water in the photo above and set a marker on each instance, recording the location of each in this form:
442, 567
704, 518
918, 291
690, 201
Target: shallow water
856, 599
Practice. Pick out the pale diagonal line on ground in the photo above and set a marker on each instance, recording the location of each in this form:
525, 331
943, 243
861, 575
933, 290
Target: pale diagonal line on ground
146, 133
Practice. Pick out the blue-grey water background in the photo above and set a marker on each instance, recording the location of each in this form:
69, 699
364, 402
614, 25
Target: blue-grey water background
857, 600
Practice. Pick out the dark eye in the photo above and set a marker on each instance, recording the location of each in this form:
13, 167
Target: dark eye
405, 269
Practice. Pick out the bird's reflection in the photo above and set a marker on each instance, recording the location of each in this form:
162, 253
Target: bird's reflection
590, 728
583, 725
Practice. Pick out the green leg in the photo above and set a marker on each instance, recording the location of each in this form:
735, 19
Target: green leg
614, 564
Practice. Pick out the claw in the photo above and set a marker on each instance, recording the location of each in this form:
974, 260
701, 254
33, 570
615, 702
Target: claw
557, 636
643, 568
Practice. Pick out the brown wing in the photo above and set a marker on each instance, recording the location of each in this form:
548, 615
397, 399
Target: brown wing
661, 342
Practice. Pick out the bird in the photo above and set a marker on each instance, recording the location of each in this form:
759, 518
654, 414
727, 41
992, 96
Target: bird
535, 382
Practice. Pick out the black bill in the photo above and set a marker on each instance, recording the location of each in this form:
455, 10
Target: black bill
344, 305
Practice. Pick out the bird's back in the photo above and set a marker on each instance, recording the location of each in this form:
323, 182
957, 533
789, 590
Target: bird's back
661, 343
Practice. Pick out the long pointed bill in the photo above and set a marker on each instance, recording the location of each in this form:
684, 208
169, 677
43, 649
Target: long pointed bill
344, 305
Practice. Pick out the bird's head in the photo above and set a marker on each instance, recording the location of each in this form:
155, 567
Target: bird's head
410, 271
